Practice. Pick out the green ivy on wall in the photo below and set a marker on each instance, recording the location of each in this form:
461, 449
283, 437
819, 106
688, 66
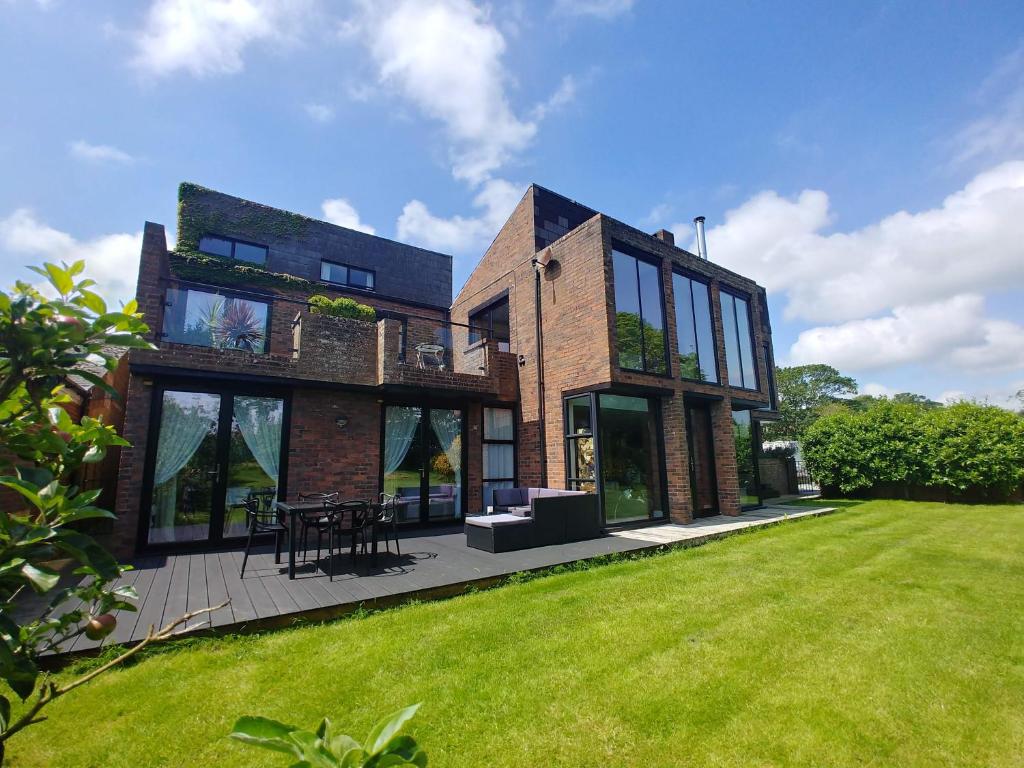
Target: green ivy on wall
217, 270
251, 220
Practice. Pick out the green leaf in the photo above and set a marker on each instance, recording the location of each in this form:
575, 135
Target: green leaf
266, 733
38, 476
28, 490
41, 579
386, 729
60, 279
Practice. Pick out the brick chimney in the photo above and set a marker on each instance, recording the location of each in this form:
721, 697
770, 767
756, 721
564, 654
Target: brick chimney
665, 236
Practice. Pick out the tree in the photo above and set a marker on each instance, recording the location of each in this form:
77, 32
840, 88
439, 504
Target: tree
42, 341
803, 391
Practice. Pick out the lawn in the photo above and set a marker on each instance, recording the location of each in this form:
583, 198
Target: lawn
888, 634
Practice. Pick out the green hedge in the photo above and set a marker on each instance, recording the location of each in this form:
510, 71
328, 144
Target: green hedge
341, 307
964, 451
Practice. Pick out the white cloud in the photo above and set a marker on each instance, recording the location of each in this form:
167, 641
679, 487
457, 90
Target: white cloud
952, 331
1000, 134
98, 153
208, 37
319, 113
974, 241
340, 211
459, 234
564, 94
602, 9
874, 389
445, 56
111, 260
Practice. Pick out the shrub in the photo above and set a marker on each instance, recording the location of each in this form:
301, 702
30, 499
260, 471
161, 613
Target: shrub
341, 307
965, 450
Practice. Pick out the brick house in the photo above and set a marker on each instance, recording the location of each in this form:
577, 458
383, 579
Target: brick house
580, 353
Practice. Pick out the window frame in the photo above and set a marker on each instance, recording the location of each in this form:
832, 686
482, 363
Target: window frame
348, 267
485, 441
227, 293
488, 307
234, 241
737, 294
706, 282
657, 263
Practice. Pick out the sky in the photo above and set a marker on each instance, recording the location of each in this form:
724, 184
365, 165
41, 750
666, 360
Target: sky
862, 161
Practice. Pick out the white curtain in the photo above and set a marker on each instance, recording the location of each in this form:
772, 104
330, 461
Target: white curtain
183, 425
259, 420
447, 426
400, 427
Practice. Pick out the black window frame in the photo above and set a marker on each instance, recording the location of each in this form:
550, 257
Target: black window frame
654, 261
571, 481
227, 293
234, 241
706, 282
514, 442
736, 294
348, 283
488, 309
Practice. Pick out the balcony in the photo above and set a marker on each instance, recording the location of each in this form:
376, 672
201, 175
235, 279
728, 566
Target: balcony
244, 333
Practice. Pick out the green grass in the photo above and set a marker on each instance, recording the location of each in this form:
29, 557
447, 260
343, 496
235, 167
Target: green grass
888, 634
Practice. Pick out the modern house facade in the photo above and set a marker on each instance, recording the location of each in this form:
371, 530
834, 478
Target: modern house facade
581, 353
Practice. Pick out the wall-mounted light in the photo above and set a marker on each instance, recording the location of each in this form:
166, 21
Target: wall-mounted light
341, 421
522, 360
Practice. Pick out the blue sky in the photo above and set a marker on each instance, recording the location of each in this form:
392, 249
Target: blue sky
864, 162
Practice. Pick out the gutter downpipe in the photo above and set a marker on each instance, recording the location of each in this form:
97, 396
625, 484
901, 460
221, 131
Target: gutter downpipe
540, 373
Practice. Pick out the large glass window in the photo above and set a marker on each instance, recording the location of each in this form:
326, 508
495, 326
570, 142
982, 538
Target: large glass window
630, 459
233, 249
694, 329
499, 451
739, 346
746, 458
491, 322
639, 314
579, 438
212, 320
343, 274
422, 457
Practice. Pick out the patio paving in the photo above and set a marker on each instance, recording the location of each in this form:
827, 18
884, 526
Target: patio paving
435, 563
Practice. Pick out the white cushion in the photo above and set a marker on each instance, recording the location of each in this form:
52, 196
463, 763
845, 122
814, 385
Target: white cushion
496, 521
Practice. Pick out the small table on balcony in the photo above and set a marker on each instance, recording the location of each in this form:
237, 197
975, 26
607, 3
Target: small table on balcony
430, 353
292, 510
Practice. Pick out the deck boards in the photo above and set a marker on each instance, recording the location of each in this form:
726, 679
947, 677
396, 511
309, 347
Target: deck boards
433, 563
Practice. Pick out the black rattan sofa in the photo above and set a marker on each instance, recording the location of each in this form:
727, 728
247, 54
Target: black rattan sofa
552, 520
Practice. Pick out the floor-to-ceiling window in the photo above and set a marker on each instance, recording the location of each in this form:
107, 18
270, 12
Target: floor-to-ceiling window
744, 433
630, 458
581, 459
739, 347
623, 464
694, 329
499, 452
422, 461
639, 314
213, 449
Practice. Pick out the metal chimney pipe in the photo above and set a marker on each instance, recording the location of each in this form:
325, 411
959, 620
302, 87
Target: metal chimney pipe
702, 246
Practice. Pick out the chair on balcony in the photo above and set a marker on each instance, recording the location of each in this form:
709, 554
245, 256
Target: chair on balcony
430, 356
318, 521
261, 518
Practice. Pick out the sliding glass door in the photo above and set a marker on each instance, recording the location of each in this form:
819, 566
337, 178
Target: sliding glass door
624, 464
212, 449
422, 462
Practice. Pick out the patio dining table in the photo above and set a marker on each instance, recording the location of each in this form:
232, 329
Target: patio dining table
293, 509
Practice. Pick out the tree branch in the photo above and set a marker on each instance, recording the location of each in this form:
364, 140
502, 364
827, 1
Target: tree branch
49, 691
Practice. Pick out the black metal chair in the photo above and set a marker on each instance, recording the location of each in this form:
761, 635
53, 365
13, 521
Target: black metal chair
386, 522
347, 518
318, 521
262, 518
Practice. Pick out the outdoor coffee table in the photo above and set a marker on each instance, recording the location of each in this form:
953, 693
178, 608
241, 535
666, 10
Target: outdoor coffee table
293, 509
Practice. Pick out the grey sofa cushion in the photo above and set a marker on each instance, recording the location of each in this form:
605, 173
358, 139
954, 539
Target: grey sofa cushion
497, 521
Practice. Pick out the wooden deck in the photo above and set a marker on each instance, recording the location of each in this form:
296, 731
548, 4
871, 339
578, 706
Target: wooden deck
435, 563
